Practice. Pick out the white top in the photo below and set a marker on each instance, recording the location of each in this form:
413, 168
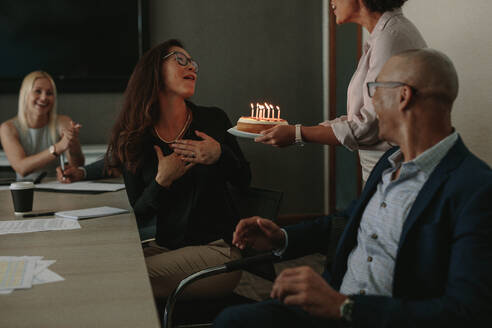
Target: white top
34, 142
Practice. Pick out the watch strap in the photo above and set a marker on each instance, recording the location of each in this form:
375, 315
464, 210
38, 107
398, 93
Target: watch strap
52, 150
298, 139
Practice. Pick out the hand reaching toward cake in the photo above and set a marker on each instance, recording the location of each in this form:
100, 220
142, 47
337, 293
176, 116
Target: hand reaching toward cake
206, 151
278, 136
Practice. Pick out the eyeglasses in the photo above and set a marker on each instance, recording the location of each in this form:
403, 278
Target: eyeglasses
182, 59
371, 86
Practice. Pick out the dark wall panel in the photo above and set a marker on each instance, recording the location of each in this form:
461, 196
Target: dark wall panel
258, 50
248, 50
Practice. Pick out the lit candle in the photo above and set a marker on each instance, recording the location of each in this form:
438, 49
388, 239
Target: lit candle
252, 110
257, 110
268, 113
278, 108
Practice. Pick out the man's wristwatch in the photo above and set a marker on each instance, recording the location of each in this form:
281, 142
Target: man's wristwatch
52, 150
298, 140
346, 310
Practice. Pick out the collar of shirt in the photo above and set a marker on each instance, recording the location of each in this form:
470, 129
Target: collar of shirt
380, 25
429, 159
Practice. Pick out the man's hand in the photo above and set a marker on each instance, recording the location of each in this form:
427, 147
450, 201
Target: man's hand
303, 287
258, 233
71, 174
278, 136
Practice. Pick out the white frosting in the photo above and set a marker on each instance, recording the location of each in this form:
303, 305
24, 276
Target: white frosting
252, 120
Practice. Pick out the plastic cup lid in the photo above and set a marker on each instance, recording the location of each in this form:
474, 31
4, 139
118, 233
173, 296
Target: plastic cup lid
21, 185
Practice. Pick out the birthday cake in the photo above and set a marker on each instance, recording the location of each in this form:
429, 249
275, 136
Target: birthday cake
255, 125
262, 118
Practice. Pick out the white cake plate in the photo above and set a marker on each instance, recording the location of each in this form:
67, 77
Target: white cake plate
234, 131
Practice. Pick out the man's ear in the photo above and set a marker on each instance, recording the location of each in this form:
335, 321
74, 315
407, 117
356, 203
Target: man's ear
406, 95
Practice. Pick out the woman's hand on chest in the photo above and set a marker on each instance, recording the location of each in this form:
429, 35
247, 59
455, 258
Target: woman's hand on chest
170, 168
206, 151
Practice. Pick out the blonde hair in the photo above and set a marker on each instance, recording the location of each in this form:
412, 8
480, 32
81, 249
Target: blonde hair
26, 88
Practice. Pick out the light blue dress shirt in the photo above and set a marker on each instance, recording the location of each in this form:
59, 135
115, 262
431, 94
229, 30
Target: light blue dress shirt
371, 263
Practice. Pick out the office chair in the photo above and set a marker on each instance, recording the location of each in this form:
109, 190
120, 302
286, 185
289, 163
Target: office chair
249, 202
257, 202
241, 264
338, 222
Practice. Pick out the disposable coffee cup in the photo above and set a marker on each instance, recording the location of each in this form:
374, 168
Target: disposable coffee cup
22, 195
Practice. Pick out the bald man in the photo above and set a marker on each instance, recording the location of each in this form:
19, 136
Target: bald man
417, 250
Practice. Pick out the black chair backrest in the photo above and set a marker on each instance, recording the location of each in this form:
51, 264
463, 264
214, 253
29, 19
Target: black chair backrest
257, 202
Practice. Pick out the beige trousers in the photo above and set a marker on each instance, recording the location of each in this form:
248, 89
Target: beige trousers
168, 267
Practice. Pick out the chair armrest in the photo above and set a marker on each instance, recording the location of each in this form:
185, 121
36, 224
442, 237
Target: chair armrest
212, 271
146, 241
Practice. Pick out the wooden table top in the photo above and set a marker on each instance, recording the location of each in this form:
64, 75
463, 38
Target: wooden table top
106, 282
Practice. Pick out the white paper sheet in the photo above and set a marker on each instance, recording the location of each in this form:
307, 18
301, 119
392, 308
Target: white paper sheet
46, 276
42, 265
81, 186
88, 213
33, 225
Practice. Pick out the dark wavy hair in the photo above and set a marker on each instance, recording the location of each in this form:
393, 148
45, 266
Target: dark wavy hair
139, 111
383, 5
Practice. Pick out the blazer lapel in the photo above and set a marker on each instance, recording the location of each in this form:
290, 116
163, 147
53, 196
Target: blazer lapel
452, 159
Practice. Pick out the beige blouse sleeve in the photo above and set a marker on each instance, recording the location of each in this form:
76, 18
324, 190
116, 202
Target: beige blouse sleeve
359, 129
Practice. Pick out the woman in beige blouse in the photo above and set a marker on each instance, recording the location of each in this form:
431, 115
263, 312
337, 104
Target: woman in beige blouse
390, 33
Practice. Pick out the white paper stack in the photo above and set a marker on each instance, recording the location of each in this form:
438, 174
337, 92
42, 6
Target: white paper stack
81, 186
88, 213
33, 225
20, 272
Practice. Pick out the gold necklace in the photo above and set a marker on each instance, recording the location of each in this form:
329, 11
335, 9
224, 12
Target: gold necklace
180, 134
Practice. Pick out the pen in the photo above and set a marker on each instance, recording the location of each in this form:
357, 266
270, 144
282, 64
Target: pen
40, 177
31, 215
62, 164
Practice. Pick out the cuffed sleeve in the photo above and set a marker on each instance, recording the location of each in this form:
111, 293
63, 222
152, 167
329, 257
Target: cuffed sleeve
308, 237
280, 252
95, 170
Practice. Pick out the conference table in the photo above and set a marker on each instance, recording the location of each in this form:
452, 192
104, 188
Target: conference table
106, 282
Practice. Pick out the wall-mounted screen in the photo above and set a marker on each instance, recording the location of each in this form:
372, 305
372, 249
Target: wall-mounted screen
87, 46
